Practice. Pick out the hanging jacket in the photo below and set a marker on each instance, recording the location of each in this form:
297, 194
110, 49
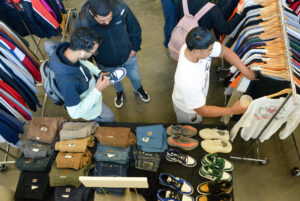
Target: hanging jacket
12, 92
22, 58
41, 18
122, 35
55, 7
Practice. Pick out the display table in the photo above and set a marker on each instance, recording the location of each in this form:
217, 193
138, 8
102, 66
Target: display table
176, 169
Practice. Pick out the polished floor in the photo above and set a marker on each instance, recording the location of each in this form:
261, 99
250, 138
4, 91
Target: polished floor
252, 181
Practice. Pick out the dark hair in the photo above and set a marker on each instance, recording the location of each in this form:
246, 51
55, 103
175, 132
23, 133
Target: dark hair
199, 38
102, 7
84, 39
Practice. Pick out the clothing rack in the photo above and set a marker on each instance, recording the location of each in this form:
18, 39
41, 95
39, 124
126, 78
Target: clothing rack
287, 51
69, 10
5, 161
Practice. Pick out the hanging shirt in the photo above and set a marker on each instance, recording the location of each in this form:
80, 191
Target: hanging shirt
259, 114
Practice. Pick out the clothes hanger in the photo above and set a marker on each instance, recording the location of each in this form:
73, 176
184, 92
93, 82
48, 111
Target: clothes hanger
284, 91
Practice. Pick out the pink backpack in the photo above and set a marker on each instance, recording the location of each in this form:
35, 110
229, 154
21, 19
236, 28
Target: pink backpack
187, 23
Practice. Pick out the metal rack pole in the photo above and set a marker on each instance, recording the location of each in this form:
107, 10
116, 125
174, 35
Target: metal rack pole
287, 50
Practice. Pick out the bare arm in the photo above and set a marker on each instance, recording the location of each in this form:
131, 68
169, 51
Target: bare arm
232, 58
215, 111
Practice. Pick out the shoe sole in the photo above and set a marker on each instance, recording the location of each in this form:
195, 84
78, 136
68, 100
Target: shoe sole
180, 146
177, 161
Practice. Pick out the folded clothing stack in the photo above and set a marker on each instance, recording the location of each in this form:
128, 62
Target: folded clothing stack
112, 155
74, 158
36, 156
32, 186
151, 144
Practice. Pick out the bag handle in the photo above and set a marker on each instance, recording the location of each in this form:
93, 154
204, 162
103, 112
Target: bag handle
203, 10
185, 8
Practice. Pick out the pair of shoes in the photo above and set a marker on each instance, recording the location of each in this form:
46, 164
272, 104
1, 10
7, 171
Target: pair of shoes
181, 192
119, 99
173, 155
213, 173
220, 163
215, 140
185, 130
180, 136
214, 188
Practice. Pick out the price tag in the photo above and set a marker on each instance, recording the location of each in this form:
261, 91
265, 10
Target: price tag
44, 129
65, 196
72, 145
68, 156
110, 155
37, 137
34, 187
35, 150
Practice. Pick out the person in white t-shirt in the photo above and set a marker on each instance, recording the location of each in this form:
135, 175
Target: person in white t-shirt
192, 77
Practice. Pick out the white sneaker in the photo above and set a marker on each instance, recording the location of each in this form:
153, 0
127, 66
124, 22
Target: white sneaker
216, 146
214, 133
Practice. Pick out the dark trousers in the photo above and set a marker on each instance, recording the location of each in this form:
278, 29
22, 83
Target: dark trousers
169, 11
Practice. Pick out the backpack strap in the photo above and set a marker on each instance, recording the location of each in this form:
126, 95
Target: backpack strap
185, 8
203, 10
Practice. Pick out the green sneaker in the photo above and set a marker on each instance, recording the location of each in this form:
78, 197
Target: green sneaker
219, 162
210, 172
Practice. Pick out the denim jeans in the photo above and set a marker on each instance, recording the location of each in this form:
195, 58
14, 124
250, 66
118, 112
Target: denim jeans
106, 115
133, 73
110, 169
146, 160
169, 10
112, 154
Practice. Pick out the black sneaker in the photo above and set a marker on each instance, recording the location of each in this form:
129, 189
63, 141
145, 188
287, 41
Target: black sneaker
143, 95
119, 99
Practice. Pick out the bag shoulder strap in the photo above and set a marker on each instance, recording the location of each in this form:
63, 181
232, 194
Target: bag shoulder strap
185, 8
204, 10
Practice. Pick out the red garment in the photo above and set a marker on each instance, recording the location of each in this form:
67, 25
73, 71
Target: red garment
15, 106
12, 92
39, 7
26, 61
296, 7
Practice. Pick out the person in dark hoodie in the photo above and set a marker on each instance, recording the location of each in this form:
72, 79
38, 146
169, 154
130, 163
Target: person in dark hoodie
74, 76
120, 31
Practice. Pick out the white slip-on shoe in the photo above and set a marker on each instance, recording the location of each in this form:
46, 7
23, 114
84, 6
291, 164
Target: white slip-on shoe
216, 146
213, 133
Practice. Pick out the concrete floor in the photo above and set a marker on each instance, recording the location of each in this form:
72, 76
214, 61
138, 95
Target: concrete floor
252, 181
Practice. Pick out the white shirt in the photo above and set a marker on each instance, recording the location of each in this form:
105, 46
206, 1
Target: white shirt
192, 80
260, 112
